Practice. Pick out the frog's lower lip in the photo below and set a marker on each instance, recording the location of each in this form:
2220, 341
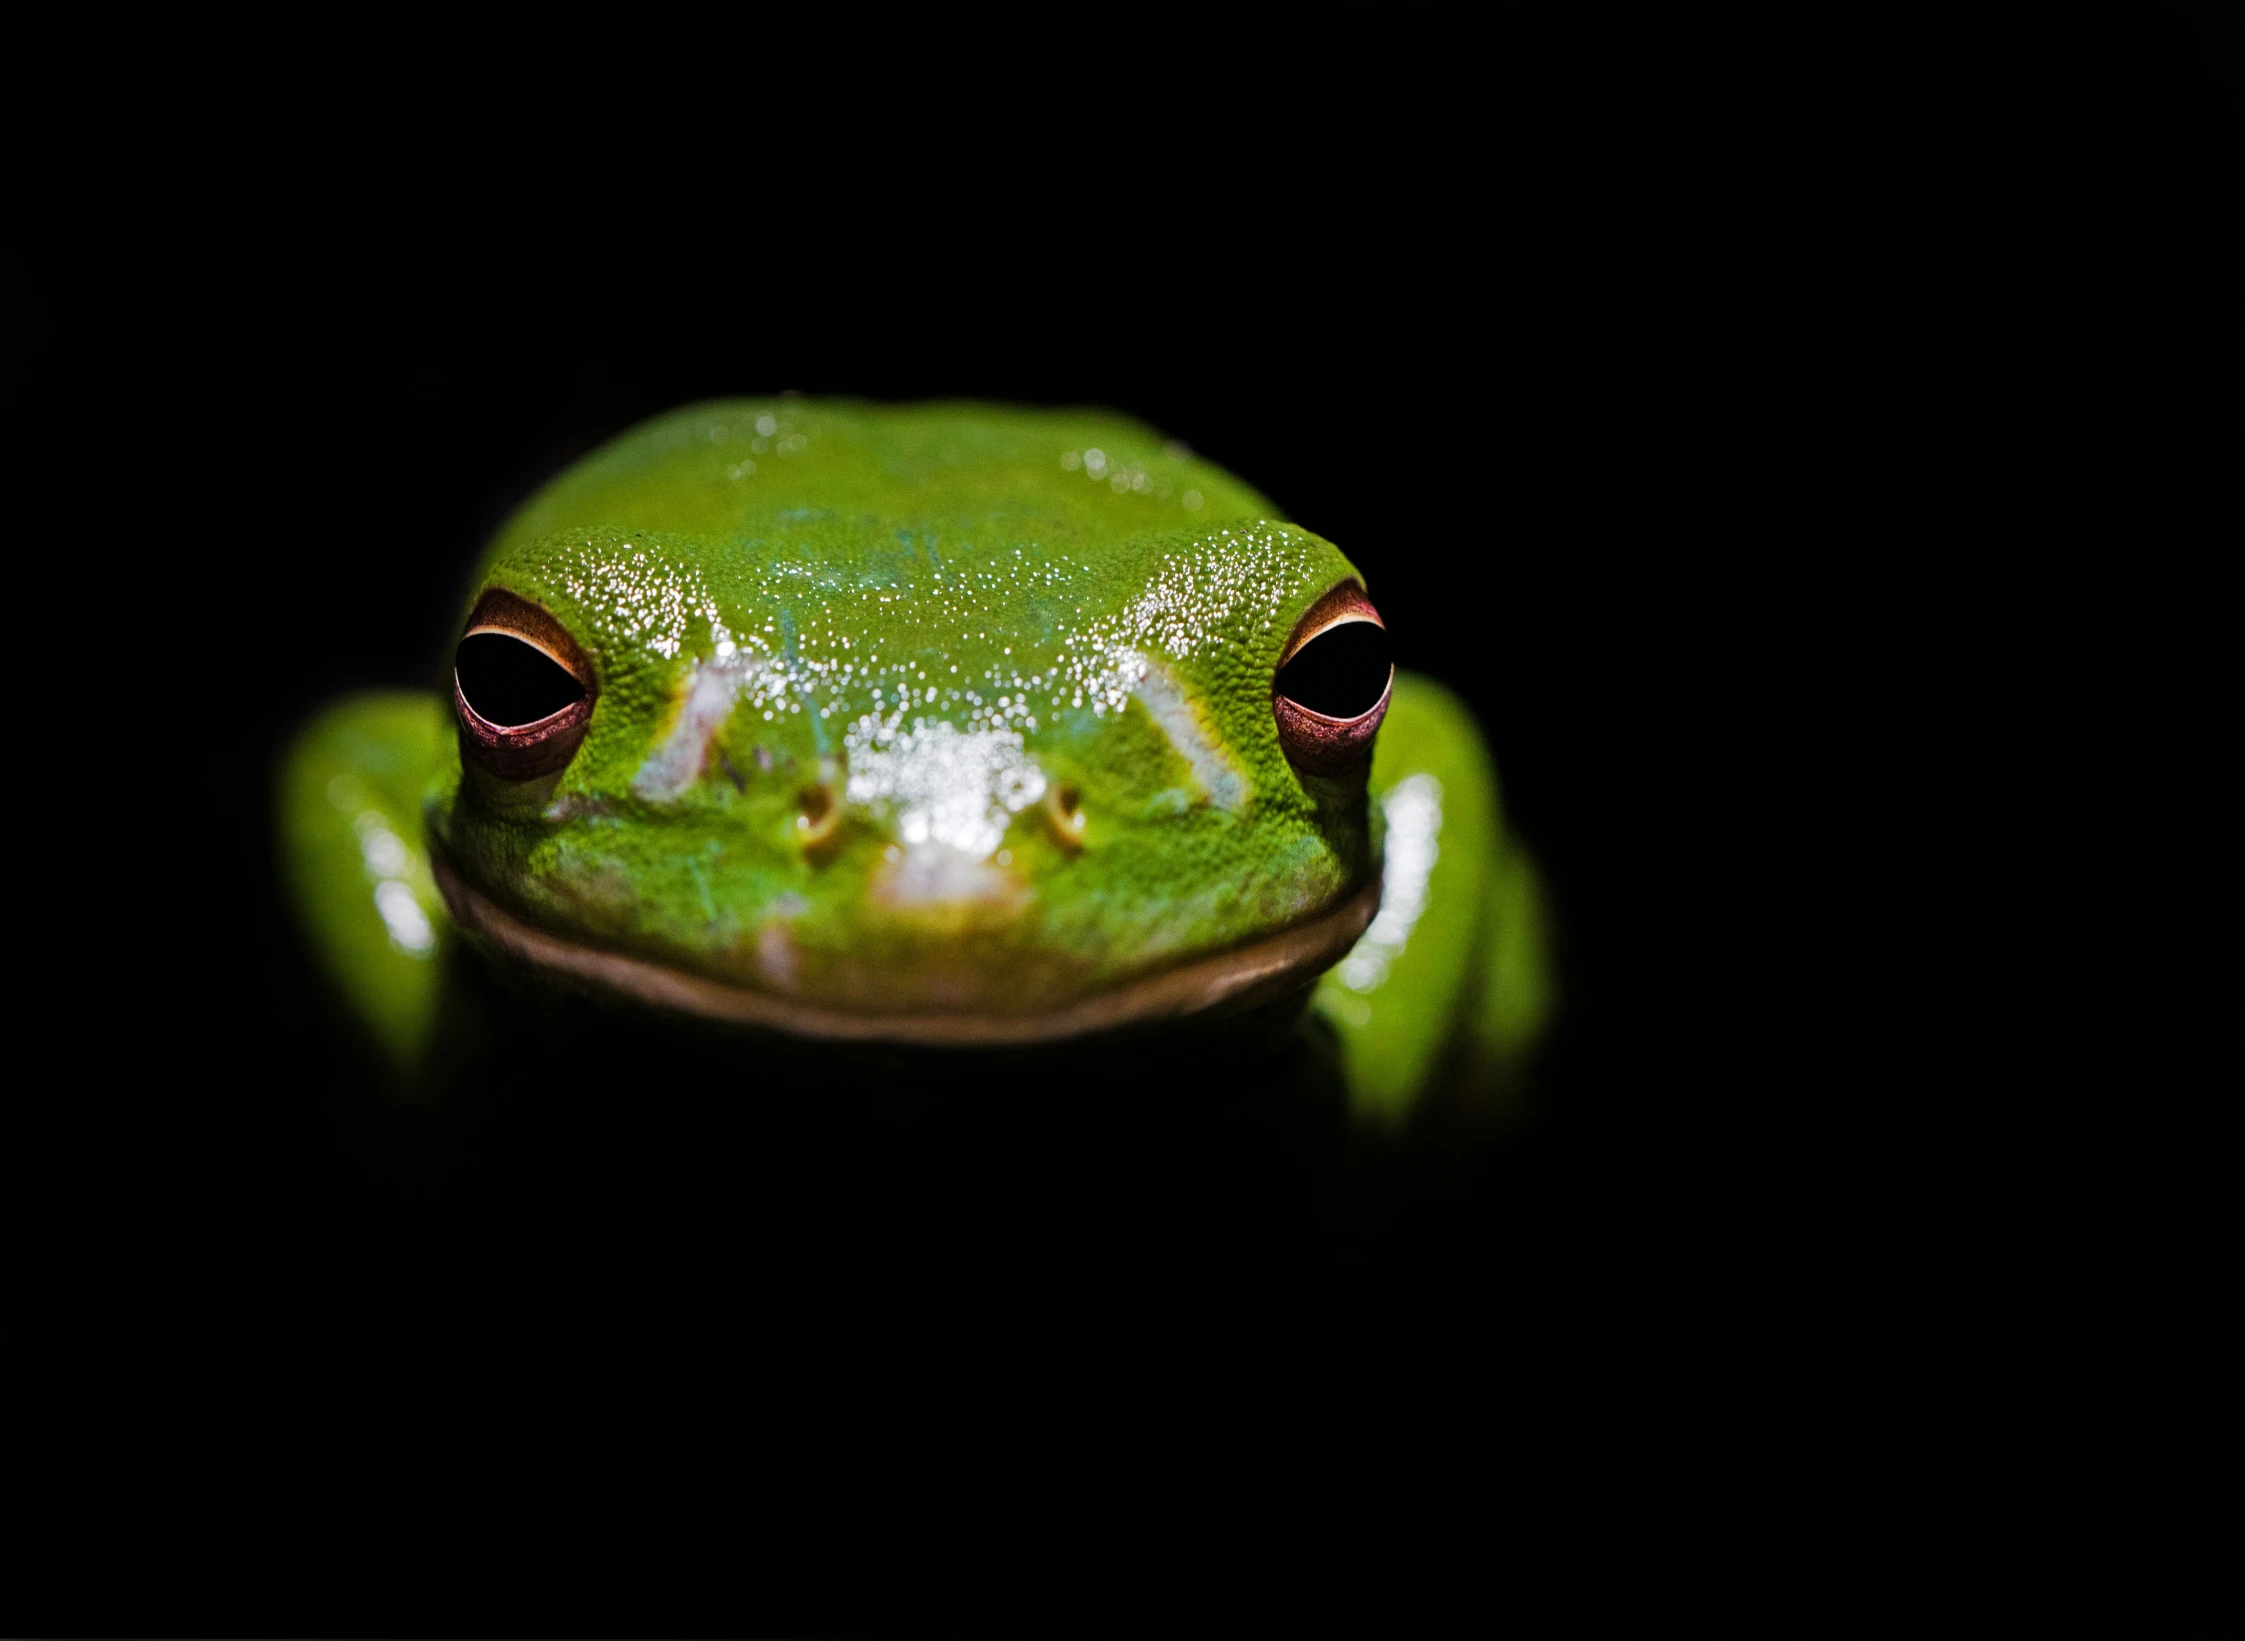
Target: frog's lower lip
1225, 982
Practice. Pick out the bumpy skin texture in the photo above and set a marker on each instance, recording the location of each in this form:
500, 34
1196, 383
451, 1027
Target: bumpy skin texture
1028, 656
941, 707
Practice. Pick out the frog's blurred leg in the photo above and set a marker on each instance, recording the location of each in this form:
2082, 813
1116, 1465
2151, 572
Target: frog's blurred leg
1518, 995
1452, 976
356, 863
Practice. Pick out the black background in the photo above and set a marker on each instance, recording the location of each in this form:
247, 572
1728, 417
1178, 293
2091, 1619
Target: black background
1803, 434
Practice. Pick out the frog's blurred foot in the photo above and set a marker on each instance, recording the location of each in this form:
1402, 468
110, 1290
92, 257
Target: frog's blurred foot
1220, 984
356, 860
1451, 989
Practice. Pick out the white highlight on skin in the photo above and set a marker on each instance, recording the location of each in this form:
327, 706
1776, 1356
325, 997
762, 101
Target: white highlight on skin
1225, 588
1128, 478
675, 765
1414, 815
1214, 592
775, 957
935, 874
402, 915
1228, 588
1200, 598
945, 786
650, 600
389, 861
1180, 720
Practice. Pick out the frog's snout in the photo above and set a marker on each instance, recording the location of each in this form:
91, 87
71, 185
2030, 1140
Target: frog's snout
943, 800
935, 881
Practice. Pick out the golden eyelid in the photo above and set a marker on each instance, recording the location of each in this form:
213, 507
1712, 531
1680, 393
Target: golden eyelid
1343, 604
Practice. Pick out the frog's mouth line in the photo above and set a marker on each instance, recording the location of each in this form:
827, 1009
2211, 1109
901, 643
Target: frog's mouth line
1227, 981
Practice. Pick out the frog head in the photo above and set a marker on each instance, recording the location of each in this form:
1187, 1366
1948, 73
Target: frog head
935, 743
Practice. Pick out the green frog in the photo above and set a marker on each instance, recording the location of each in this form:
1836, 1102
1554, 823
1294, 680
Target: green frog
945, 727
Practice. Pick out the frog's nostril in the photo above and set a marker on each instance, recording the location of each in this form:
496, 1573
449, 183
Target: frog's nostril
819, 822
1065, 816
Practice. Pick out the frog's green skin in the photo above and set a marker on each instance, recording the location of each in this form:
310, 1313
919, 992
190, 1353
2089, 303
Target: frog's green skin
942, 723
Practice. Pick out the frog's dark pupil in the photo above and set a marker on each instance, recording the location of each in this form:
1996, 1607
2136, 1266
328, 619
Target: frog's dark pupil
1341, 673
510, 683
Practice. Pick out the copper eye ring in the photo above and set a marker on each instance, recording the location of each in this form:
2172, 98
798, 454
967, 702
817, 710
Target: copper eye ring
521, 689
1333, 684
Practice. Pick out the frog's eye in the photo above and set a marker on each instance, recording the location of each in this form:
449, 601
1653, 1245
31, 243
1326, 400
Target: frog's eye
1333, 682
521, 689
